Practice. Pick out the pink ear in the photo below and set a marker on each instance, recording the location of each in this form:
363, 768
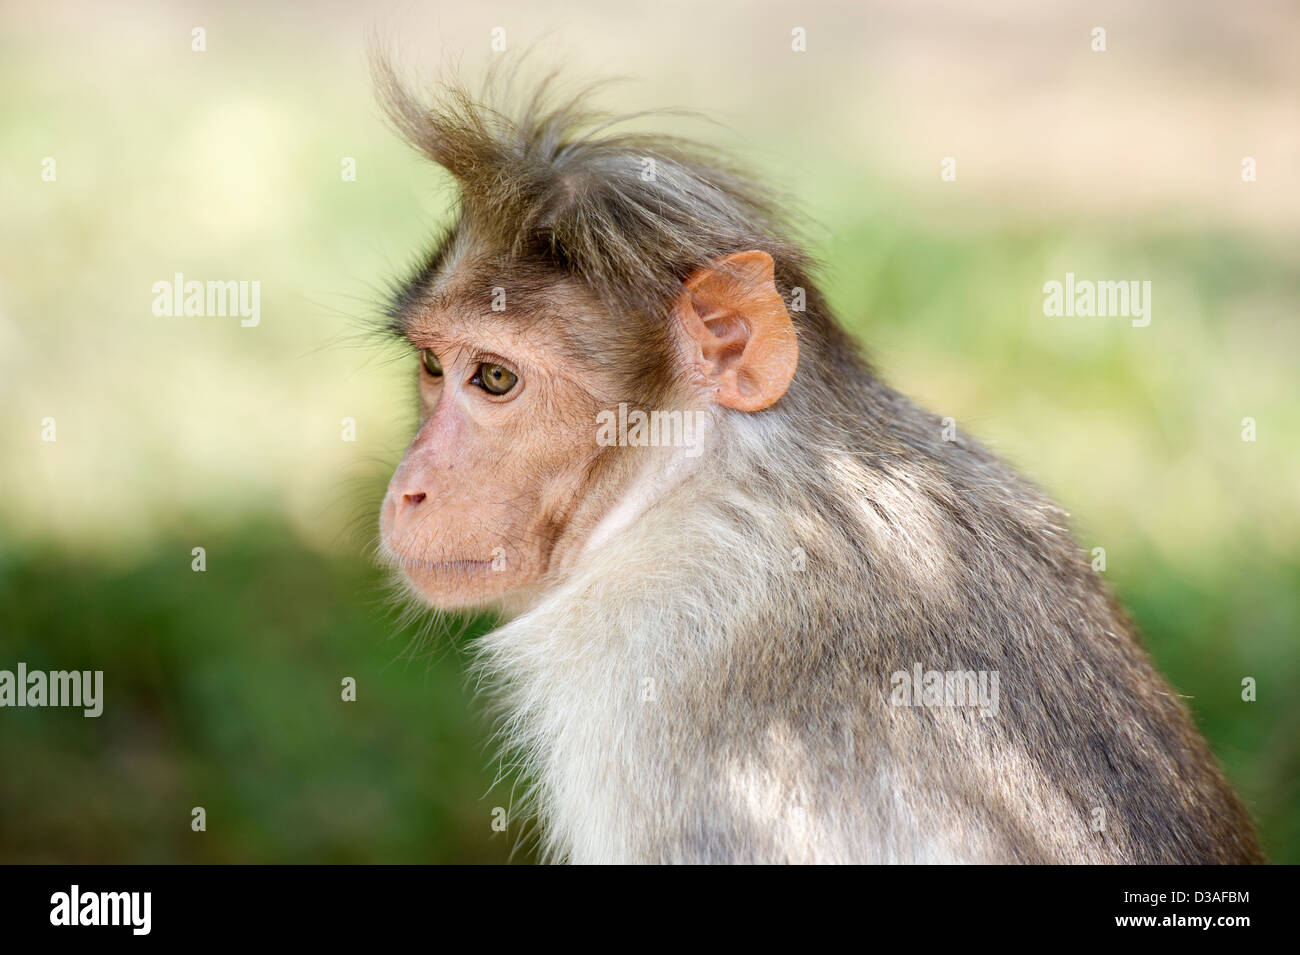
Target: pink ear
739, 332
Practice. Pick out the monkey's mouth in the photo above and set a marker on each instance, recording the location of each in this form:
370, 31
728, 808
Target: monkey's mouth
420, 566
454, 583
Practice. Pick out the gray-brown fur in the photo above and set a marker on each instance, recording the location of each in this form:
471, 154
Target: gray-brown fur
918, 550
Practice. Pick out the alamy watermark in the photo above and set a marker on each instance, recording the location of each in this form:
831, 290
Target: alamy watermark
79, 688
75, 907
653, 429
934, 688
1085, 298
179, 298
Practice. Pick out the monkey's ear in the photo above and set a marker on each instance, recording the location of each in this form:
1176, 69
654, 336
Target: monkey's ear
738, 333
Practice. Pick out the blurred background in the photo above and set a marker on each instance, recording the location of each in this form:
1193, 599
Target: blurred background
222, 688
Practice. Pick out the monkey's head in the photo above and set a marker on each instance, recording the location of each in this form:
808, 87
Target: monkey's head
587, 276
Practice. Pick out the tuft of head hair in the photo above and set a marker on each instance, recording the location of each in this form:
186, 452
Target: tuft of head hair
546, 177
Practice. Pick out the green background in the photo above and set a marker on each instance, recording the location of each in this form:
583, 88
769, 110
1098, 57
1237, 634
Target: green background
223, 687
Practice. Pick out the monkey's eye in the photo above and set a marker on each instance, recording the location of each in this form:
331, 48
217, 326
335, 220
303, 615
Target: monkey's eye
494, 379
430, 361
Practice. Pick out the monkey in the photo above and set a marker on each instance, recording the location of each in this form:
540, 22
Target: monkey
741, 647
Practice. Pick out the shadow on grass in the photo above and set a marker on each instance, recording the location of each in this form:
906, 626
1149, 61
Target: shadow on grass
223, 690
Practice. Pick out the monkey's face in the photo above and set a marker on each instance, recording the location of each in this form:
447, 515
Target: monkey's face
507, 476
486, 493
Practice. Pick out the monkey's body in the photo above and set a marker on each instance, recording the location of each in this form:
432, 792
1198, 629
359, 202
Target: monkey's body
708, 702
701, 666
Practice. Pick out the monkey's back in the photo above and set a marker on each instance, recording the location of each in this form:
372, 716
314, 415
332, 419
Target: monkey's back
912, 551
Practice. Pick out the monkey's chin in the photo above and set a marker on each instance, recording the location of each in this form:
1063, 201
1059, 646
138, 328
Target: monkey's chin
455, 584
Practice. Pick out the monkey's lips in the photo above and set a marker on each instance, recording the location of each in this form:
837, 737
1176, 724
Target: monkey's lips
418, 566
451, 583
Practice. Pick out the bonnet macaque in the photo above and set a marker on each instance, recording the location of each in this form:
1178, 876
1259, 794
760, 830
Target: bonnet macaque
757, 605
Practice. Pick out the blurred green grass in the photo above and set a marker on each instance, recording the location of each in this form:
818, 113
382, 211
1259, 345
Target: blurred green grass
223, 690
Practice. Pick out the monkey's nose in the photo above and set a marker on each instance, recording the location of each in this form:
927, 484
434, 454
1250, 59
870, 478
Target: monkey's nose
405, 495
404, 508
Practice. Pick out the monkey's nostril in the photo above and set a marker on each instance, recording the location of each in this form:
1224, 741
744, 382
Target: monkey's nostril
413, 499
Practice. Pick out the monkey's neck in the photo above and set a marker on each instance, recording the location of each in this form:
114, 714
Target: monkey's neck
663, 473
647, 606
